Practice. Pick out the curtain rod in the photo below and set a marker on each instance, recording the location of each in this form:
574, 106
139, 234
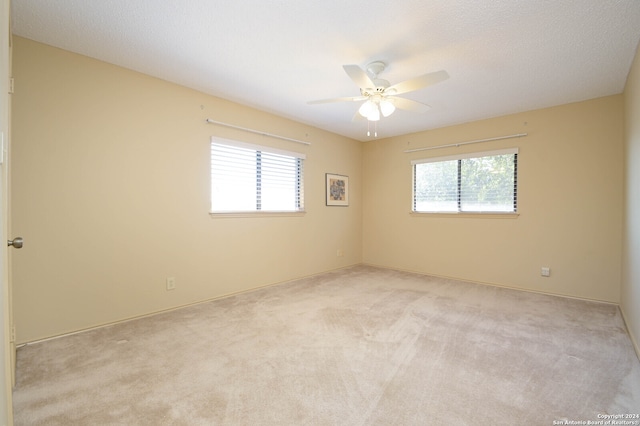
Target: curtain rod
208, 120
517, 135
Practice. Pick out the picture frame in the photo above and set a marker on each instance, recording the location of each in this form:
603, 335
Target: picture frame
337, 190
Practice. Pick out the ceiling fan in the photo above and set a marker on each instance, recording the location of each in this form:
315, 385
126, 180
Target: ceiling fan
379, 96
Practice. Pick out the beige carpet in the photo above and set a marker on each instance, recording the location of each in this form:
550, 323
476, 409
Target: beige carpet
360, 346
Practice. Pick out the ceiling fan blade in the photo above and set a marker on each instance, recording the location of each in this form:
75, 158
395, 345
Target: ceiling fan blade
359, 76
357, 117
417, 83
409, 105
345, 99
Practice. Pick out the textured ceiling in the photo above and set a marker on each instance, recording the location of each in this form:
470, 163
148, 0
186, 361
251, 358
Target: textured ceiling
503, 56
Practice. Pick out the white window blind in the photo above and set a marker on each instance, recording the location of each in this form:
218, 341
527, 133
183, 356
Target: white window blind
483, 182
250, 178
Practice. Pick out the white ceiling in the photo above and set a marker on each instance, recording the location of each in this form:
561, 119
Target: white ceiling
503, 56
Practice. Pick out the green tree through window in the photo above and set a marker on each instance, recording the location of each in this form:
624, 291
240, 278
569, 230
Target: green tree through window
481, 182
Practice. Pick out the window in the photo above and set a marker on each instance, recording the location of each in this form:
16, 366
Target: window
253, 178
484, 182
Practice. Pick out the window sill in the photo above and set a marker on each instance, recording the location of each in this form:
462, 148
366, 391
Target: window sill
216, 215
478, 215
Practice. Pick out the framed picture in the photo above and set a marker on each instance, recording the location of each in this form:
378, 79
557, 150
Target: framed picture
337, 190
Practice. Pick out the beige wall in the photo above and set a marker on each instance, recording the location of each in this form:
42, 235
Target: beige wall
631, 251
570, 181
111, 194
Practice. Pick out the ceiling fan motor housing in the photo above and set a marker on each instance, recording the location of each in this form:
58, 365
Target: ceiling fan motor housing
381, 86
374, 69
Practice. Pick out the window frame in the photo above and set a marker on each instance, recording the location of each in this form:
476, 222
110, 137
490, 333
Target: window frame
459, 158
259, 150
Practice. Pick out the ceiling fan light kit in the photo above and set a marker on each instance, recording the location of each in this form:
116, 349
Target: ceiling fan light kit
375, 105
387, 107
370, 111
379, 96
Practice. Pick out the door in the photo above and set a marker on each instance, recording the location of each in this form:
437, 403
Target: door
7, 347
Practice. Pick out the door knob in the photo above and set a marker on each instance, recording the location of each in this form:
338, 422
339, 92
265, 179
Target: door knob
16, 242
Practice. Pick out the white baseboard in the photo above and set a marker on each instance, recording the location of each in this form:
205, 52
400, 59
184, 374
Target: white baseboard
634, 342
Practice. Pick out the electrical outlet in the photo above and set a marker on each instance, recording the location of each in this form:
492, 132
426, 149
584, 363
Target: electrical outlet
171, 283
340, 253
545, 271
